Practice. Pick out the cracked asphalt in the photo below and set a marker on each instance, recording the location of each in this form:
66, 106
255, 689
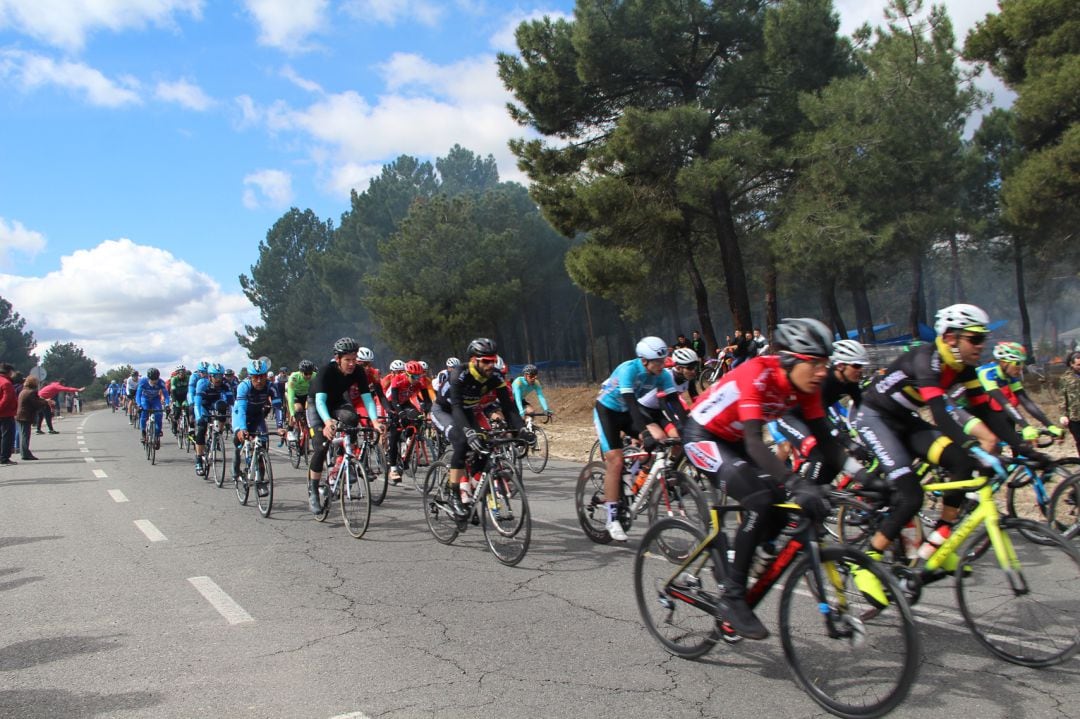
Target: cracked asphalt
100, 621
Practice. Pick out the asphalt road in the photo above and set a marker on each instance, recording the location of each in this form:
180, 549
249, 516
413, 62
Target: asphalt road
104, 617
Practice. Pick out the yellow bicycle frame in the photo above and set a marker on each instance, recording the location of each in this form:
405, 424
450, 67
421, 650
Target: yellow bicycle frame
985, 514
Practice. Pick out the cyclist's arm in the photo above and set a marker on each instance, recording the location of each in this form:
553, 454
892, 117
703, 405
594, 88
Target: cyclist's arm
321, 408
519, 395
1033, 409
239, 410
761, 456
1006, 406
539, 388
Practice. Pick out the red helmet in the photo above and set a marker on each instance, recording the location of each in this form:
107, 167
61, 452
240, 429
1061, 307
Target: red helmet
414, 367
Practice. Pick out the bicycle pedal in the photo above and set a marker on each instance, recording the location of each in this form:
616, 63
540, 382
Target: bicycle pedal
728, 634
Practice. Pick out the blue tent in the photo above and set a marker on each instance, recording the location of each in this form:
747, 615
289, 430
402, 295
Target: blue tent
854, 334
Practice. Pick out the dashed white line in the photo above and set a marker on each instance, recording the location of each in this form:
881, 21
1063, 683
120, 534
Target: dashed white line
89, 459
100, 473
219, 600
84, 449
351, 715
117, 495
152, 533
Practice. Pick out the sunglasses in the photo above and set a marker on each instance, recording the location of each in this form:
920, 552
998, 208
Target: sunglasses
976, 339
817, 362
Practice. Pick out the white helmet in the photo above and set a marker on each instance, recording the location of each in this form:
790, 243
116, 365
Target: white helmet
397, 366
652, 348
961, 317
365, 355
424, 365
685, 356
849, 352
452, 362
1010, 352
500, 365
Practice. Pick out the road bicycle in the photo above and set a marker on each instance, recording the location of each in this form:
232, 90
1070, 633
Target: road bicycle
853, 654
1021, 600
182, 430
650, 484
499, 503
346, 480
255, 471
1063, 513
216, 453
415, 449
370, 453
149, 436
536, 452
298, 440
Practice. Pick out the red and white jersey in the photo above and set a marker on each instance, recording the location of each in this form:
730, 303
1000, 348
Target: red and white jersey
756, 389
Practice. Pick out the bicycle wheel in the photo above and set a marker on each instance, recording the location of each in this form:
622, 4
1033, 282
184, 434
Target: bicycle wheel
1030, 614
861, 659
589, 502
666, 602
242, 487
436, 502
505, 516
856, 522
377, 472
325, 495
180, 430
217, 460
676, 495
264, 483
1063, 515
537, 454
595, 455
151, 439
296, 454
355, 498
1031, 499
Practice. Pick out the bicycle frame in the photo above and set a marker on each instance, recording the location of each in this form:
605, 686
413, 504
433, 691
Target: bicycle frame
985, 514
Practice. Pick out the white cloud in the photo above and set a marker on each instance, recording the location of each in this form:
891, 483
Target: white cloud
303, 83
32, 71
352, 176
287, 24
66, 24
389, 12
16, 238
503, 40
184, 93
267, 188
128, 303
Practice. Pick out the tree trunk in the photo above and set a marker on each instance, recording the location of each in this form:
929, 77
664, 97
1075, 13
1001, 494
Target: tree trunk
830, 308
956, 288
772, 311
917, 308
731, 258
701, 302
1021, 296
864, 321
590, 340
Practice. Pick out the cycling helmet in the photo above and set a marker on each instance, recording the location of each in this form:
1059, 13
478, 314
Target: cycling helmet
849, 352
529, 369
961, 317
215, 369
365, 355
134, 373
481, 347
346, 345
153, 373
306, 366
1010, 352
424, 366
500, 364
685, 356
652, 348
452, 362
803, 335
229, 372
257, 367
283, 370
413, 367
179, 368
202, 367
397, 366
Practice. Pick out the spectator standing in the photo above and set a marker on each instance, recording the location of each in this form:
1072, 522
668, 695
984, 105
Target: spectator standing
760, 342
48, 393
681, 341
9, 404
1069, 389
697, 343
30, 405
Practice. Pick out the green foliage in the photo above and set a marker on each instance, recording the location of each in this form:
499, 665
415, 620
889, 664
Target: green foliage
16, 343
66, 362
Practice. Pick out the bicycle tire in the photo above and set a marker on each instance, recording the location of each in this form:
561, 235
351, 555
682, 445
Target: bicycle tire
589, 502
242, 487
325, 495
355, 498
871, 670
857, 521
681, 628
1024, 501
378, 473
537, 453
1063, 515
435, 501
595, 455
295, 453
505, 517
1038, 628
676, 495
151, 440
264, 472
217, 459
180, 429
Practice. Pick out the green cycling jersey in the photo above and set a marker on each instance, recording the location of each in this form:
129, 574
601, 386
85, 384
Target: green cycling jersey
297, 386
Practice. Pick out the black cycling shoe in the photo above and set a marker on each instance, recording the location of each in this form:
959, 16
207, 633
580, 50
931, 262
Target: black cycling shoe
314, 502
742, 619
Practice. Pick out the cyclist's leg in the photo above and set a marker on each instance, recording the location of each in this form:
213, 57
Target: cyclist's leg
319, 447
888, 441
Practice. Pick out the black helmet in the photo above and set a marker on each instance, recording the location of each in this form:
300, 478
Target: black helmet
346, 345
153, 373
529, 369
803, 335
306, 366
481, 347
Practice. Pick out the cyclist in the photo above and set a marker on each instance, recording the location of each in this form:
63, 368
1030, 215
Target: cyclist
249, 413
457, 413
112, 394
723, 438
396, 368
277, 399
407, 392
619, 411
670, 409
193, 383
523, 386
888, 424
297, 388
366, 359
130, 385
178, 390
151, 395
211, 390
1005, 391
231, 380
330, 392
444, 374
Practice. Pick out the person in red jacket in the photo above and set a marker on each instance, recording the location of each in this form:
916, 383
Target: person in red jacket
48, 393
9, 405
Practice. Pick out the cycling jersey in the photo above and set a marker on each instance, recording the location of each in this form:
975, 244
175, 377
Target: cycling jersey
461, 396
522, 388
1012, 394
405, 391
249, 410
297, 388
150, 395
331, 390
206, 396
631, 379
178, 387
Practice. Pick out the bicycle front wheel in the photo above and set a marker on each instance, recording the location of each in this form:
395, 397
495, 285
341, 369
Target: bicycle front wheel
377, 472
217, 461
242, 487
1064, 512
264, 484
355, 498
505, 516
676, 495
1030, 613
436, 502
151, 440
861, 658
675, 608
537, 452
589, 501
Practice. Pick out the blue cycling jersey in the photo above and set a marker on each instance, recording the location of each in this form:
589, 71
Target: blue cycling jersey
523, 388
206, 394
148, 394
632, 379
249, 409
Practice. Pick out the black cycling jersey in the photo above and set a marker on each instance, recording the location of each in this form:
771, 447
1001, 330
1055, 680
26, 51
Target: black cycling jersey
337, 387
460, 396
833, 390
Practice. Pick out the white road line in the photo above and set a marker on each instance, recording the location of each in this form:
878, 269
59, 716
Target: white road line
351, 715
219, 600
117, 495
80, 441
152, 533
84, 449
100, 473
89, 459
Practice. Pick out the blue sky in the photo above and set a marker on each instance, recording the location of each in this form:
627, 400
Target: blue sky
146, 146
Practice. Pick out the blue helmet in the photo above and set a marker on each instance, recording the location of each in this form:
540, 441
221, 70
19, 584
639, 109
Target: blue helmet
203, 367
257, 367
215, 369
